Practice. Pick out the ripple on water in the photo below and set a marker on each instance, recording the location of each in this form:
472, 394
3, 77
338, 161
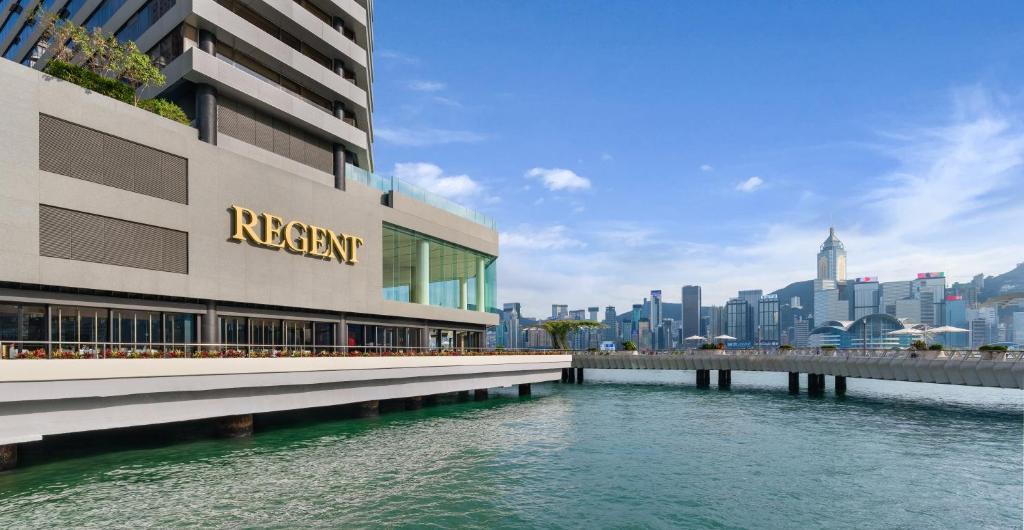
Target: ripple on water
639, 449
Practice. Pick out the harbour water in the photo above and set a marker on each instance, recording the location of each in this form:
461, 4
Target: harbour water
627, 449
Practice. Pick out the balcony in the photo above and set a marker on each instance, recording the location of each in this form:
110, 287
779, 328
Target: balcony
393, 184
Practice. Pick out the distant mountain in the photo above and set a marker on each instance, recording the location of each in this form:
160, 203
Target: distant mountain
805, 291
1004, 285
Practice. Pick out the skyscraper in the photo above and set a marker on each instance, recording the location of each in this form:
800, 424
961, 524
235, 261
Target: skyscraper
635, 322
752, 297
611, 324
691, 310
930, 289
737, 323
656, 308
559, 311
865, 296
592, 313
832, 258
768, 320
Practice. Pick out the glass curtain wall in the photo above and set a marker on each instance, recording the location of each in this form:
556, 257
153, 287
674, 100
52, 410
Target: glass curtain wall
22, 327
452, 274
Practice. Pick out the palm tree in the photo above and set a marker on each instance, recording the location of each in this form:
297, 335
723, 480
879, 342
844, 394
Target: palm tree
559, 330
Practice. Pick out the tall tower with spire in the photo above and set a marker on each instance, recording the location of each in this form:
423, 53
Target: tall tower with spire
832, 258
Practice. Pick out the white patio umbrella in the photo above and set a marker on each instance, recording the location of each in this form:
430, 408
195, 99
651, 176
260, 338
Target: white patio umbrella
948, 329
906, 331
695, 337
725, 337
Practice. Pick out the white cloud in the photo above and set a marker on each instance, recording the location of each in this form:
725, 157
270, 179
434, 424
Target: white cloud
425, 137
559, 179
432, 178
421, 85
750, 184
606, 157
549, 238
706, 167
396, 56
953, 202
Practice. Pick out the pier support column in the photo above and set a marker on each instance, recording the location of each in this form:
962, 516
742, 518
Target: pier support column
703, 378
815, 384
431, 400
480, 394
8, 456
572, 376
840, 385
235, 426
524, 389
414, 403
794, 382
462, 395
724, 379
565, 375
579, 376
368, 409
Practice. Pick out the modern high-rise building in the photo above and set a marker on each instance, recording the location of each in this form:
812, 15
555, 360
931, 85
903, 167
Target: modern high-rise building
752, 297
577, 314
801, 332
509, 329
930, 289
830, 302
981, 332
559, 311
691, 316
291, 79
865, 296
737, 323
832, 258
611, 331
259, 223
635, 321
956, 316
768, 320
889, 293
1018, 327
592, 313
656, 313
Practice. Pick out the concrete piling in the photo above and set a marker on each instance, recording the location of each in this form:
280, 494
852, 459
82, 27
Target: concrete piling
794, 382
579, 376
840, 385
524, 389
8, 456
724, 379
368, 409
480, 394
572, 376
414, 403
235, 426
703, 378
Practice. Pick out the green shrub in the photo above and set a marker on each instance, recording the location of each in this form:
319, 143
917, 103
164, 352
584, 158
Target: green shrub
935, 347
707, 346
828, 347
786, 347
918, 345
629, 345
992, 347
90, 80
166, 109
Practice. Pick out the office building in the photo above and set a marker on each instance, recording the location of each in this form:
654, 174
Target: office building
738, 319
592, 313
930, 289
691, 311
956, 316
801, 332
1018, 327
635, 315
865, 296
889, 293
261, 225
832, 258
559, 311
656, 312
577, 314
768, 320
908, 309
981, 332
508, 333
611, 331
830, 304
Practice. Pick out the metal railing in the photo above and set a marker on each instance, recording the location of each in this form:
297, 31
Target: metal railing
1010, 355
169, 350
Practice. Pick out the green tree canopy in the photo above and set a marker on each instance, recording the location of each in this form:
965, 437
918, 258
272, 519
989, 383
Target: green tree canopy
559, 330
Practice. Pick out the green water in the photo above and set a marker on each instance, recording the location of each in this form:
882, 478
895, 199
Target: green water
627, 449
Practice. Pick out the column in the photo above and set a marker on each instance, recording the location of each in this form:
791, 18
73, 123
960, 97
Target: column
524, 389
368, 409
572, 376
724, 379
235, 426
481, 303
703, 378
206, 95
210, 331
414, 403
840, 385
423, 272
579, 376
480, 394
794, 382
341, 335
463, 293
565, 375
8, 456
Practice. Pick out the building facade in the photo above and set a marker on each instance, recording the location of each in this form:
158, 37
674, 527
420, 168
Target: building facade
691, 314
768, 320
832, 258
126, 230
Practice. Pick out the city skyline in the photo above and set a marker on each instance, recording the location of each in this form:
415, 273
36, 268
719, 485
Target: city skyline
924, 178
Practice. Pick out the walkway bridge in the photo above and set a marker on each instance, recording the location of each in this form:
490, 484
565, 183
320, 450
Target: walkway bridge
970, 368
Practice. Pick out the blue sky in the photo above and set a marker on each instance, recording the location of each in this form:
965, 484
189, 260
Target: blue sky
630, 146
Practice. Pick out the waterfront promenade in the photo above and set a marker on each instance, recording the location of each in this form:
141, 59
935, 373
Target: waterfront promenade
970, 368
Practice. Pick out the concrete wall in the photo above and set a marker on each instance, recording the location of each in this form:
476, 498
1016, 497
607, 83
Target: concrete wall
40, 398
219, 177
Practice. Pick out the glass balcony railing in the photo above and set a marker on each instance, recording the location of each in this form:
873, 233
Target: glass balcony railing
387, 184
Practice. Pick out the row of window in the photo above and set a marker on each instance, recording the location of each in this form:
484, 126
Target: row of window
95, 328
450, 274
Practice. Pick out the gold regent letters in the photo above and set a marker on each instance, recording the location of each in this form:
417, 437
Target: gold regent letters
294, 236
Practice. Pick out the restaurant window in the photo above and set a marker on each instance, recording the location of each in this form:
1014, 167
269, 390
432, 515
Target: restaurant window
23, 326
75, 328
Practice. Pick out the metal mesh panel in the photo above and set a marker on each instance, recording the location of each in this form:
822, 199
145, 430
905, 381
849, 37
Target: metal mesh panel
81, 236
69, 149
245, 123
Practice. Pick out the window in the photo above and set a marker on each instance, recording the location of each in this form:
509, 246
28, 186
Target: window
23, 326
74, 328
450, 277
144, 19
